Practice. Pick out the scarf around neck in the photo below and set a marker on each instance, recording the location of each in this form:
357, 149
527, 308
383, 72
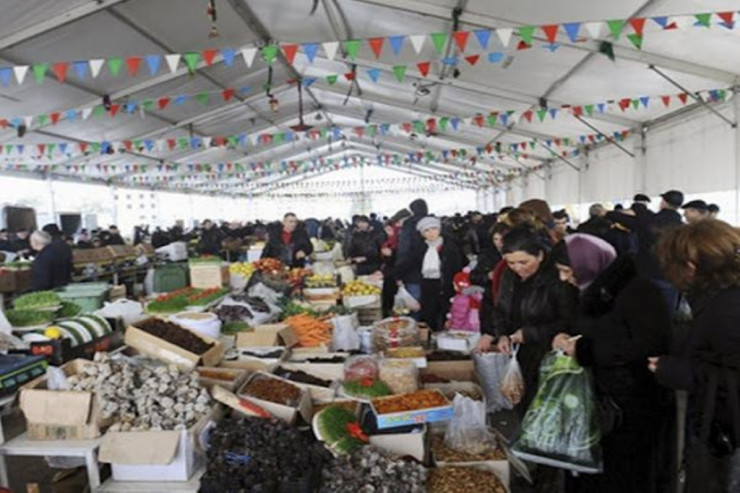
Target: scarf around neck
432, 266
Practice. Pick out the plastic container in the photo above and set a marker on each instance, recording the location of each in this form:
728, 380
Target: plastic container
171, 277
401, 376
89, 296
395, 332
206, 324
360, 368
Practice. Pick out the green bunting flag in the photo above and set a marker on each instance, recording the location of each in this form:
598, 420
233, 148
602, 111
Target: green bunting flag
704, 19
191, 60
636, 40
332, 79
615, 27
269, 53
541, 114
606, 48
527, 34
443, 123
39, 71
439, 40
42, 120
98, 111
589, 109
114, 66
351, 46
400, 72
202, 97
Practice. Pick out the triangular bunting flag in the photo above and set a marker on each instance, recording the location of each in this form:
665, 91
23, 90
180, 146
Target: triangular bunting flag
683, 97
594, 29
373, 73
551, 32
541, 114
727, 18
638, 24
173, 61
526, 33
496, 56
228, 55
227, 94
483, 36
96, 66
310, 50
54, 117
424, 68
39, 72
527, 115
645, 100
152, 62
504, 35
439, 40
396, 43
666, 101
202, 97
572, 29
290, 51
351, 46
269, 53
417, 41
163, 102
20, 72
636, 40
114, 66
461, 39
472, 59
114, 109
400, 72
5, 75
86, 113
60, 70
661, 20
330, 49
132, 64
703, 20
376, 45
615, 27
191, 60
332, 79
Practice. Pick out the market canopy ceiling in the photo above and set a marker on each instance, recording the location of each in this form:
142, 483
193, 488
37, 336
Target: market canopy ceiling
274, 97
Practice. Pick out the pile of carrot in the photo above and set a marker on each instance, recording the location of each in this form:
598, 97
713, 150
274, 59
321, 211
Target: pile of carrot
310, 331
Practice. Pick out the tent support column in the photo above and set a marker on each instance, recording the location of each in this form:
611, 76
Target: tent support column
641, 161
736, 108
52, 198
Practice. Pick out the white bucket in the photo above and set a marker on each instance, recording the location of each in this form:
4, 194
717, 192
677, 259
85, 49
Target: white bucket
203, 323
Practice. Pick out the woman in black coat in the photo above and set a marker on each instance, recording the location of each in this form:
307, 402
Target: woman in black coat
364, 248
441, 260
621, 319
531, 308
703, 259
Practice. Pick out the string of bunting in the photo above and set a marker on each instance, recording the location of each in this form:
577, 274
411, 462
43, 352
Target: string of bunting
633, 29
139, 107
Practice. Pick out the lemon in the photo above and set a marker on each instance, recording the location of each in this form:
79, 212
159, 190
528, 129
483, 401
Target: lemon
53, 333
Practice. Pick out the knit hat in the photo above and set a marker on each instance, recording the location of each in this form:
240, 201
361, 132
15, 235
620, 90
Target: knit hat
400, 215
428, 223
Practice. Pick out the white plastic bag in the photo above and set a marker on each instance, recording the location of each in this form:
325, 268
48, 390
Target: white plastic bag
512, 385
467, 430
129, 311
490, 369
345, 336
404, 299
56, 379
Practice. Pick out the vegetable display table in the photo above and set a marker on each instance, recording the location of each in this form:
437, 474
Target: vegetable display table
191, 486
86, 449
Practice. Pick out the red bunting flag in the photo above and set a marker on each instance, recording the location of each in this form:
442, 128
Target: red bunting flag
683, 97
42, 148
220, 141
290, 51
624, 103
359, 131
666, 100
479, 120
132, 64
350, 76
60, 70
577, 110
461, 39
54, 118
638, 24
523, 45
557, 142
83, 147
728, 18
4, 125
406, 127
209, 56
128, 145
376, 45
424, 68
114, 109
551, 32
163, 102
472, 59
432, 125
228, 94
171, 143
528, 116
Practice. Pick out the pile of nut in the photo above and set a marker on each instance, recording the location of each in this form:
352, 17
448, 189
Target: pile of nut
456, 479
444, 453
367, 469
140, 398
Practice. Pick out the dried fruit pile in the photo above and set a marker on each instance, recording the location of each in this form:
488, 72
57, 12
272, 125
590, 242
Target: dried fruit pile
456, 479
301, 377
422, 399
444, 453
174, 334
273, 390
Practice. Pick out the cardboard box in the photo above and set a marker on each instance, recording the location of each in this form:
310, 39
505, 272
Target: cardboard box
262, 335
228, 378
117, 292
450, 389
153, 455
285, 413
367, 301
407, 418
207, 275
457, 341
166, 351
317, 393
463, 371
403, 444
61, 414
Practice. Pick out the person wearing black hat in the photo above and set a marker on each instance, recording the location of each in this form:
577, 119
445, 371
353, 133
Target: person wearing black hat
695, 211
411, 248
713, 210
114, 236
59, 255
364, 248
640, 202
5, 244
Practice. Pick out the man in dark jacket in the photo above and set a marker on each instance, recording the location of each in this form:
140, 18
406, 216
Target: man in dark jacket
114, 236
648, 226
210, 239
52, 267
364, 248
5, 244
21, 244
411, 248
597, 224
289, 243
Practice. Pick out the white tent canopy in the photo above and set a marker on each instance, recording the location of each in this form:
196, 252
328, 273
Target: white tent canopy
390, 128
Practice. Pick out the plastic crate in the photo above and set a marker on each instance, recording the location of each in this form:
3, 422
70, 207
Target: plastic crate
89, 296
170, 277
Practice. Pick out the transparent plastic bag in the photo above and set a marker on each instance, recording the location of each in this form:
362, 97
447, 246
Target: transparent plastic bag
490, 369
512, 385
561, 427
345, 336
401, 376
56, 379
404, 301
467, 430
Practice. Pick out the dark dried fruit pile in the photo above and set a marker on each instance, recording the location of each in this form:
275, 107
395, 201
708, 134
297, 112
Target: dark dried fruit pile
442, 355
301, 377
233, 313
174, 334
268, 355
258, 304
273, 390
259, 455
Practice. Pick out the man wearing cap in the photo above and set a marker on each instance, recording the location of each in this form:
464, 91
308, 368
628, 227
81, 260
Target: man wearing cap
364, 247
695, 211
640, 202
713, 210
441, 260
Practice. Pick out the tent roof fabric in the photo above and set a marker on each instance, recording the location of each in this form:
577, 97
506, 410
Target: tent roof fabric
431, 124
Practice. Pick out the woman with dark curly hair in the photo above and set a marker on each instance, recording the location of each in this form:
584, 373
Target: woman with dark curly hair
703, 259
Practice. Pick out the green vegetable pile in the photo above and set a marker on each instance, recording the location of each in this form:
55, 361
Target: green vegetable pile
335, 425
231, 328
69, 309
173, 305
293, 307
28, 318
367, 388
38, 300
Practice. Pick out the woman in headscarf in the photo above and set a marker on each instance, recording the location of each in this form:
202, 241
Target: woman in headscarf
441, 260
621, 320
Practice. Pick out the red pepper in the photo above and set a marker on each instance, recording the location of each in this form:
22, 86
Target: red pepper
356, 432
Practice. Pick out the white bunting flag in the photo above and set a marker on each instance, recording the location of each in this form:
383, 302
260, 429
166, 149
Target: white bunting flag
173, 61
248, 54
95, 66
504, 34
20, 72
594, 29
86, 113
417, 42
330, 48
